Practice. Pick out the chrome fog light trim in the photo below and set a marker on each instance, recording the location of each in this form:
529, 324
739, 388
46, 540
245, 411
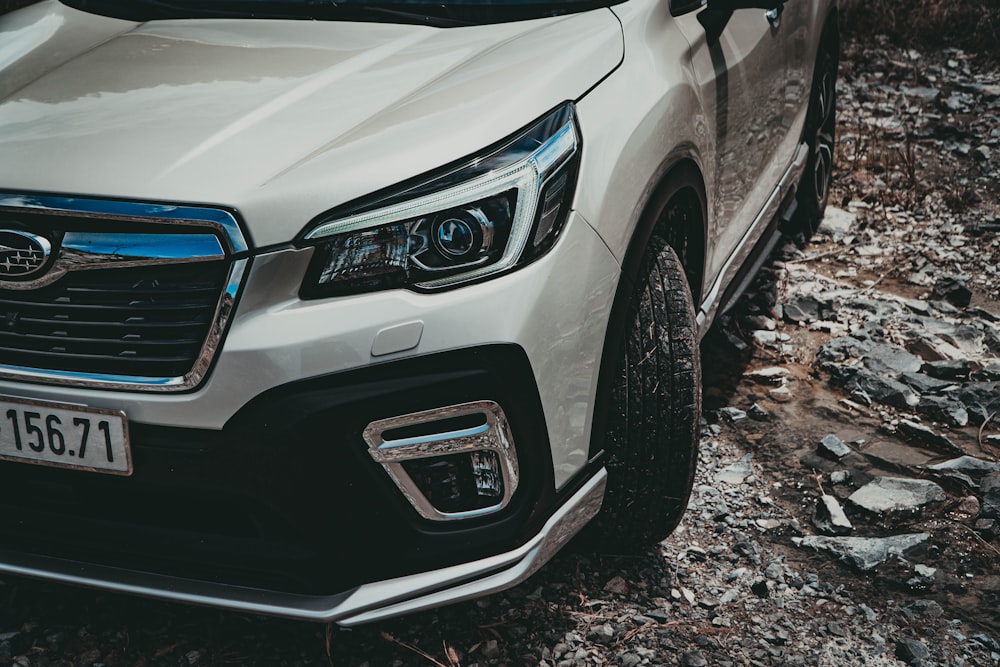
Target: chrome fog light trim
492, 436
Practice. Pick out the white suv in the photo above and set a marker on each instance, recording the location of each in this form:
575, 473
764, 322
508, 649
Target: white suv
342, 310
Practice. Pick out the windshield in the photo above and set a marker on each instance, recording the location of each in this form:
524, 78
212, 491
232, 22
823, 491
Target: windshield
446, 13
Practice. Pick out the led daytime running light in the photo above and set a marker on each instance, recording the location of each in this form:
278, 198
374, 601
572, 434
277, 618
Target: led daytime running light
526, 176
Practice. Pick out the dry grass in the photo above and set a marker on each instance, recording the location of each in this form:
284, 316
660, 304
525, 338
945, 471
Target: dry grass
971, 25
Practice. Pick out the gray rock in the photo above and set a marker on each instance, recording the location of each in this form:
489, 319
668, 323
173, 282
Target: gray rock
757, 413
884, 390
929, 437
603, 633
944, 410
894, 494
629, 660
953, 291
864, 553
833, 447
981, 399
950, 369
990, 503
774, 375
842, 349
890, 360
923, 93
967, 464
735, 473
837, 222
924, 384
732, 415
982, 153
693, 659
840, 476
829, 517
911, 651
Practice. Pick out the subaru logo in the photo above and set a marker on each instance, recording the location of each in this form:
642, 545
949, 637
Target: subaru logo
22, 253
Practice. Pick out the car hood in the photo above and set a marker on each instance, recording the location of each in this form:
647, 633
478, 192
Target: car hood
280, 120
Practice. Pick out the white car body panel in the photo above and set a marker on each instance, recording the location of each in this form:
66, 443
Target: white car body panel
281, 121
263, 115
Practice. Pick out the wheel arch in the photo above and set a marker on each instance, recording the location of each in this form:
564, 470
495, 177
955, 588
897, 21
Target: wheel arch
681, 175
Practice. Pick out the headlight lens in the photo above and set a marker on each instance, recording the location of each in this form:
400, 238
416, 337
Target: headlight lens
492, 213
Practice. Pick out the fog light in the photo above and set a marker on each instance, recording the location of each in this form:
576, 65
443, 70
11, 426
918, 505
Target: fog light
451, 463
458, 482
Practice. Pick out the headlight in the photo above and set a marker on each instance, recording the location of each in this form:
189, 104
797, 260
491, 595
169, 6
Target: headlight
492, 213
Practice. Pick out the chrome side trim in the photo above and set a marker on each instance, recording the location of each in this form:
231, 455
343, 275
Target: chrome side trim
369, 602
710, 304
223, 311
494, 436
215, 218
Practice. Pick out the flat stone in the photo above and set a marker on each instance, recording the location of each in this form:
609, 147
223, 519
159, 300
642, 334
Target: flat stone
946, 410
981, 399
773, 375
833, 447
990, 488
693, 659
889, 359
928, 436
967, 464
842, 349
950, 369
780, 394
925, 384
837, 222
923, 93
829, 517
896, 494
884, 390
735, 473
732, 415
807, 309
911, 651
864, 553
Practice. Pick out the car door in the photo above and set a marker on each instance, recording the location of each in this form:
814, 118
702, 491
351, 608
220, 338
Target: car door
739, 62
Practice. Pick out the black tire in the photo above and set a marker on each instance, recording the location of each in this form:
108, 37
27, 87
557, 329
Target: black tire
820, 135
652, 438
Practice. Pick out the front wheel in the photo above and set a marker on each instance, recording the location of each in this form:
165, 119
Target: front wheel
652, 439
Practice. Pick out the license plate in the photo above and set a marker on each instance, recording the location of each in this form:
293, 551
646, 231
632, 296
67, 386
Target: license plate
67, 436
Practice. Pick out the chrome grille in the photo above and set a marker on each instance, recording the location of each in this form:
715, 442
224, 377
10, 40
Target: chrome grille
133, 295
148, 321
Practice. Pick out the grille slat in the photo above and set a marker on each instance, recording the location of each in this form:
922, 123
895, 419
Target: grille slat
149, 321
124, 326
19, 341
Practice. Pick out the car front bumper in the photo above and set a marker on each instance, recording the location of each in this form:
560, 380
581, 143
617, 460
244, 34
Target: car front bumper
364, 604
257, 491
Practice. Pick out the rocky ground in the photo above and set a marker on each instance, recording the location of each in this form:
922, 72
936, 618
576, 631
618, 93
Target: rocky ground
847, 508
